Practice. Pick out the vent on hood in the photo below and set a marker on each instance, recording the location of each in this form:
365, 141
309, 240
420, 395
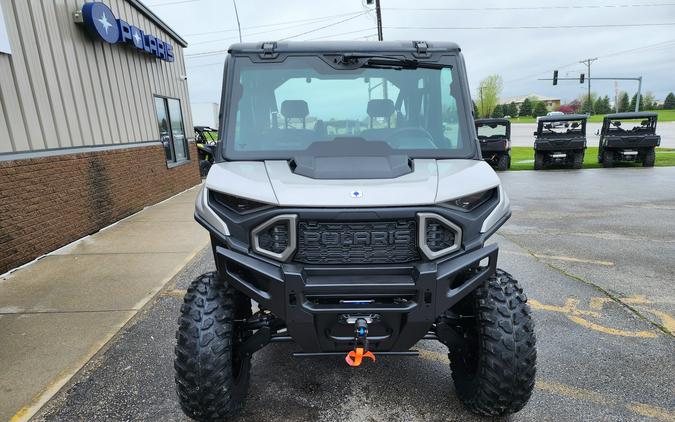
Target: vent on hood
351, 158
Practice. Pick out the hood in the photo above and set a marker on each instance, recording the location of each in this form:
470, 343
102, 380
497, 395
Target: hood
430, 181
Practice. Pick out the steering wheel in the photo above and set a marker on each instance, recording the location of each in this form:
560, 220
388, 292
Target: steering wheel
410, 132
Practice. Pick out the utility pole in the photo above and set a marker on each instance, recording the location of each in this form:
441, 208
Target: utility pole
588, 62
482, 109
236, 13
378, 13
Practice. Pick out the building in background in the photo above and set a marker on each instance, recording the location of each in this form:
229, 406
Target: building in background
205, 114
94, 120
550, 102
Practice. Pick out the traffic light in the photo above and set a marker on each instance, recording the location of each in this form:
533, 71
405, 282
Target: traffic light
581, 78
555, 77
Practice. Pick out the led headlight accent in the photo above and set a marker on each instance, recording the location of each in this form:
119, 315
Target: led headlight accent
238, 204
276, 238
469, 202
438, 236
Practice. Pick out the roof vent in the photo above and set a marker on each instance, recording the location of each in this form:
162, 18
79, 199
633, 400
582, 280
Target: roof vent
268, 48
421, 47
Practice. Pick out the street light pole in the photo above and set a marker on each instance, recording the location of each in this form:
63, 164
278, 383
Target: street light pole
588, 62
378, 12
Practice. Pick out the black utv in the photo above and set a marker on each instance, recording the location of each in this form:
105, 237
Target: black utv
628, 137
494, 136
560, 140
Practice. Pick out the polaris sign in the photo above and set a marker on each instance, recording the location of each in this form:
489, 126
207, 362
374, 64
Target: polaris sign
101, 22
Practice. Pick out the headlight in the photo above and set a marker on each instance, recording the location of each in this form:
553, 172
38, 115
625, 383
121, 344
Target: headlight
238, 204
469, 202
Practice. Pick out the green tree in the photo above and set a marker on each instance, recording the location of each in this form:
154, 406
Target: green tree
526, 108
498, 111
633, 100
488, 94
475, 109
539, 109
624, 102
511, 110
669, 103
601, 105
648, 101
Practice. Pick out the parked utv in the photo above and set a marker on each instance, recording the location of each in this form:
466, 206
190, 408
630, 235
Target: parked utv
628, 137
355, 239
206, 139
494, 136
560, 140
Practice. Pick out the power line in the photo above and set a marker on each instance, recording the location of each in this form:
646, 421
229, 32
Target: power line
324, 27
461, 9
460, 28
322, 18
341, 34
171, 2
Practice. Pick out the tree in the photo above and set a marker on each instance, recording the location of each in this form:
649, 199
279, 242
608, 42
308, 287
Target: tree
587, 106
669, 103
633, 100
525, 108
648, 101
475, 109
489, 91
539, 109
511, 110
602, 106
498, 111
624, 102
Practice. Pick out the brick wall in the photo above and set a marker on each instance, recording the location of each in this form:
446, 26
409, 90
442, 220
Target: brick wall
48, 202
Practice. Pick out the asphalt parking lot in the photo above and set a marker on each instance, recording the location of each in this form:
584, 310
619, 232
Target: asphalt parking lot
594, 250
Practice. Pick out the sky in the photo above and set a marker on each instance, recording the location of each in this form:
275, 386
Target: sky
517, 52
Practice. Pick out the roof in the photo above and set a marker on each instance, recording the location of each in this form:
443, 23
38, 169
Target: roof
344, 46
562, 118
631, 115
493, 120
521, 98
145, 11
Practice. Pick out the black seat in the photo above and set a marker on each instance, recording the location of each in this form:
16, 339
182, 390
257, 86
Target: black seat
381, 108
294, 109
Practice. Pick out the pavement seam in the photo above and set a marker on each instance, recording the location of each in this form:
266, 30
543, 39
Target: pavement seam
76, 311
600, 289
66, 377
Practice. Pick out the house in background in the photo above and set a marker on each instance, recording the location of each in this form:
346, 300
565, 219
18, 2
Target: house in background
551, 103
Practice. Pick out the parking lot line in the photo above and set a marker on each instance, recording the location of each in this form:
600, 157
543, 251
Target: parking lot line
563, 258
581, 394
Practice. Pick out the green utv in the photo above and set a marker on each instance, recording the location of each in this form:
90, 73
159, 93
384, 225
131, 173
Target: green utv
206, 139
349, 201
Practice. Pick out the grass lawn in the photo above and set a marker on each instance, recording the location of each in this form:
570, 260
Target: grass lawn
664, 116
665, 157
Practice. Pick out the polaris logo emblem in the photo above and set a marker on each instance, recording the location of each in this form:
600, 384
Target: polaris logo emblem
356, 194
365, 238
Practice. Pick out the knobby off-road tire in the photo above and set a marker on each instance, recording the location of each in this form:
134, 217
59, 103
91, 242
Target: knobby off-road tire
578, 160
211, 380
494, 367
503, 162
608, 159
538, 160
649, 158
204, 167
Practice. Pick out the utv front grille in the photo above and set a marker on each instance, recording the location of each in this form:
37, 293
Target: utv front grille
275, 238
379, 242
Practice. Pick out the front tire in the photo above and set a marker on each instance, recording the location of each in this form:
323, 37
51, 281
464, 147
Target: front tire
650, 158
503, 162
494, 365
578, 160
211, 379
608, 159
538, 160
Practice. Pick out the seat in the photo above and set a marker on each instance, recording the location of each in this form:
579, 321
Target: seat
380, 108
294, 109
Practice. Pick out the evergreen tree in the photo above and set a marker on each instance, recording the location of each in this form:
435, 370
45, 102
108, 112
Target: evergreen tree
587, 106
633, 100
539, 109
512, 110
624, 102
475, 109
669, 103
498, 111
526, 108
602, 106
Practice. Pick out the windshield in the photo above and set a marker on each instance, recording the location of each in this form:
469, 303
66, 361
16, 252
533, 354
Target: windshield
564, 128
634, 126
490, 130
277, 110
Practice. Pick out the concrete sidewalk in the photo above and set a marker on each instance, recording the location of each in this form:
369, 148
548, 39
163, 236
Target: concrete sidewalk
56, 313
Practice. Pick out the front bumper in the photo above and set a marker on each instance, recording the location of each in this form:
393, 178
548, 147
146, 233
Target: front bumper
403, 301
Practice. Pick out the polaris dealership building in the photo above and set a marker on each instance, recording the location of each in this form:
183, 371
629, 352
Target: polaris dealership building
94, 120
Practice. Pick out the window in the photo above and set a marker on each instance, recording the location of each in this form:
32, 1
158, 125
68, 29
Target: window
171, 129
280, 109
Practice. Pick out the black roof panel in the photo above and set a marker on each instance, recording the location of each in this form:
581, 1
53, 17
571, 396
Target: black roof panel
344, 47
498, 120
563, 117
631, 115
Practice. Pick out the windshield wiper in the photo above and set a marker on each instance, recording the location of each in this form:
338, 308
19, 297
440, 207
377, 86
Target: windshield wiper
374, 61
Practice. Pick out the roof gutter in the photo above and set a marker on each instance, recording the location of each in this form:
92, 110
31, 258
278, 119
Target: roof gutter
145, 11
